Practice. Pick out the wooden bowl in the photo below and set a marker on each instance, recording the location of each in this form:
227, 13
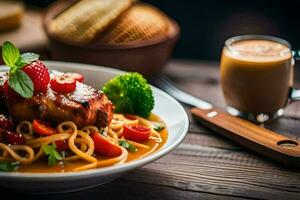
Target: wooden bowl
146, 57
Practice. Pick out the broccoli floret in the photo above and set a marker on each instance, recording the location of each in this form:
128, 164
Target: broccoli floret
131, 94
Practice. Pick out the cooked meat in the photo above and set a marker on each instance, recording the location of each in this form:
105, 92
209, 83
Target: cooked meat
85, 106
3, 106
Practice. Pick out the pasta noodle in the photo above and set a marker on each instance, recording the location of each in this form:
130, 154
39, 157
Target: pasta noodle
80, 143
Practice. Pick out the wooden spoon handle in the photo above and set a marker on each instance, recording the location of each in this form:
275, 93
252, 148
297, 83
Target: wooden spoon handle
256, 138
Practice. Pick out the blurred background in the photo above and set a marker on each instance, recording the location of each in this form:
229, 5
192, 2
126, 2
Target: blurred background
205, 25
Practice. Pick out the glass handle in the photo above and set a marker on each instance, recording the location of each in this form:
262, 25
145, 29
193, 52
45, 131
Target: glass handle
296, 54
294, 94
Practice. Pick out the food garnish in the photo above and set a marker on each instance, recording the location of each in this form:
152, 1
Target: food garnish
131, 94
27, 74
9, 166
158, 126
53, 156
39, 75
42, 128
105, 147
78, 77
128, 146
64, 83
137, 133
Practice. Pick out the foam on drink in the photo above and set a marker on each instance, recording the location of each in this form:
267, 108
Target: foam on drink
258, 50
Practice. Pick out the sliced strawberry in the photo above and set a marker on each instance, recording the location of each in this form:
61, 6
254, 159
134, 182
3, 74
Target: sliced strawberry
39, 75
78, 77
63, 84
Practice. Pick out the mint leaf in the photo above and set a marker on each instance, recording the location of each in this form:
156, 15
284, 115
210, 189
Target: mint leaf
128, 146
53, 155
10, 54
21, 83
9, 166
26, 58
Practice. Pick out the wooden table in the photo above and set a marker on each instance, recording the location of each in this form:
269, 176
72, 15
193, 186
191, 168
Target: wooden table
205, 165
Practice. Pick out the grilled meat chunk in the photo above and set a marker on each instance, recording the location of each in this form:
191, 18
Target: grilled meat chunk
85, 106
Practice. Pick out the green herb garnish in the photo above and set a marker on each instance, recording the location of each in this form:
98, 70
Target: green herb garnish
26, 58
53, 155
18, 80
128, 146
9, 166
158, 127
21, 83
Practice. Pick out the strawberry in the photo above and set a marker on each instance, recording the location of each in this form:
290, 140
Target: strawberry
27, 75
39, 75
63, 84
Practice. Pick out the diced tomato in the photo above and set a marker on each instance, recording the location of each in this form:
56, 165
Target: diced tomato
136, 133
61, 145
78, 77
131, 117
105, 147
42, 128
63, 84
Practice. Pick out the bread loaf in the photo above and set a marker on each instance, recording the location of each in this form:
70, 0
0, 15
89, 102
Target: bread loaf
83, 21
141, 22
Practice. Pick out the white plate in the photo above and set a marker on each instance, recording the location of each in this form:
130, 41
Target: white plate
165, 106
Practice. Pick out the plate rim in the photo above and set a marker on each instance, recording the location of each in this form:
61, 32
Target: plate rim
105, 171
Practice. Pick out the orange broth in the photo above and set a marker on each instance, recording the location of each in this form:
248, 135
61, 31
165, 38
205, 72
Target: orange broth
41, 166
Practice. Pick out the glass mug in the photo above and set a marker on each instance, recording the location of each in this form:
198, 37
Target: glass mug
257, 73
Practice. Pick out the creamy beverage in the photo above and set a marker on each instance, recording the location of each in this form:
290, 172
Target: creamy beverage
256, 74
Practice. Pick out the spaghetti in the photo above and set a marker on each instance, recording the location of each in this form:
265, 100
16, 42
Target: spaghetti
80, 143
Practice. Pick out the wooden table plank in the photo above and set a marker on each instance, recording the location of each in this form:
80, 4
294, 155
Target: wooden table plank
123, 189
236, 172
